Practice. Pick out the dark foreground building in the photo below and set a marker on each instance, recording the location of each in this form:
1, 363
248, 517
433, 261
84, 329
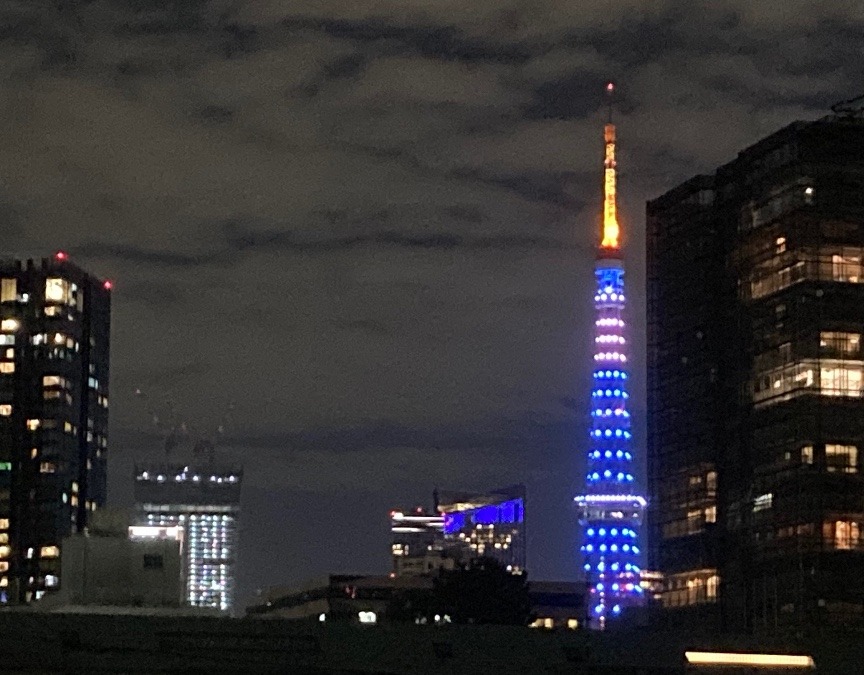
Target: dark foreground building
54, 342
94, 643
756, 382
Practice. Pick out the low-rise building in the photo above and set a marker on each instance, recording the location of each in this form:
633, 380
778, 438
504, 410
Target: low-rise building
383, 599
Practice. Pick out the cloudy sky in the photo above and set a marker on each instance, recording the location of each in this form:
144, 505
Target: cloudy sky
358, 234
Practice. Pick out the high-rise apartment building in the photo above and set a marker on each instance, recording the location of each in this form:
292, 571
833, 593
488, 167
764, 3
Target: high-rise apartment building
204, 501
756, 381
610, 509
54, 346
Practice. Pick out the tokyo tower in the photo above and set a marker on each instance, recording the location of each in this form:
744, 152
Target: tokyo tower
610, 510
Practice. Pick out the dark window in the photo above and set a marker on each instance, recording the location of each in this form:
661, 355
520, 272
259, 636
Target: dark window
153, 562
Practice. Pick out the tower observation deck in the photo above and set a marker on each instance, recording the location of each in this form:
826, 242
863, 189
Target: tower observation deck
610, 510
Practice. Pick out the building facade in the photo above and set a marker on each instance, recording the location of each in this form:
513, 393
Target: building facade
54, 371
384, 599
462, 526
205, 502
490, 524
416, 541
755, 381
610, 508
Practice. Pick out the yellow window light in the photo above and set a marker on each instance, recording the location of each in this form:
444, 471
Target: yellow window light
754, 660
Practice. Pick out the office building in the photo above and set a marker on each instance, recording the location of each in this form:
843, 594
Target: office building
611, 508
755, 406
461, 526
417, 542
204, 501
54, 346
490, 524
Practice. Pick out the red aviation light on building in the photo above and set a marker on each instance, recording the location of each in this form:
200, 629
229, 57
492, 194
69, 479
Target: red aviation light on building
61, 255
107, 285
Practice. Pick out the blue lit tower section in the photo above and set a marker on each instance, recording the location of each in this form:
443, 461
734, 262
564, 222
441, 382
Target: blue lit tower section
610, 509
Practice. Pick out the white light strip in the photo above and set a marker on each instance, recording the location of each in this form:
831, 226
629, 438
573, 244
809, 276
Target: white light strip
601, 499
766, 660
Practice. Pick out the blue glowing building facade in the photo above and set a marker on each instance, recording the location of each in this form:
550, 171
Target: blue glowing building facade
490, 524
610, 509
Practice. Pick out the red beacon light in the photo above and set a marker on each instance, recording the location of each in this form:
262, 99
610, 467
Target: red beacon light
61, 255
107, 285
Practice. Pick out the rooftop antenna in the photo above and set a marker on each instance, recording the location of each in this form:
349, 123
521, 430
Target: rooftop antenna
611, 230
610, 96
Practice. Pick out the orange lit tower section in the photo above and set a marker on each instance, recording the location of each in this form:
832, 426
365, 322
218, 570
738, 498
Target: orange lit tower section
610, 510
611, 231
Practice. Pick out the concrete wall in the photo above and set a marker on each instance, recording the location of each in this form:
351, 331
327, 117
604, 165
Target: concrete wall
117, 571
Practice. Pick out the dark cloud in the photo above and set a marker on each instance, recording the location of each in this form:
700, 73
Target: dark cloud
366, 228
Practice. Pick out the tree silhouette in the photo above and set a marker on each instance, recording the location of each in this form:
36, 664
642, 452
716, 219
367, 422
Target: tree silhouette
482, 591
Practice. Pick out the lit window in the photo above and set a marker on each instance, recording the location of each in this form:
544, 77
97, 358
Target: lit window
7, 367
4, 567
9, 324
841, 381
52, 311
51, 380
5, 410
763, 502
10, 353
840, 342
47, 467
49, 552
780, 245
56, 290
847, 266
33, 424
711, 514
711, 480
7, 339
4, 523
841, 458
807, 454
5, 551
51, 580
8, 290
572, 624
846, 534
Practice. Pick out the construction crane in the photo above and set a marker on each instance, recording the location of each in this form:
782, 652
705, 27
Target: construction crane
177, 432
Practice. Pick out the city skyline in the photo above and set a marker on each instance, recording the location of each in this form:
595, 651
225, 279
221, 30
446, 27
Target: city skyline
368, 236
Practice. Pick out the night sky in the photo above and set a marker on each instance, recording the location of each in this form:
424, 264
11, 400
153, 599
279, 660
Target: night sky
359, 234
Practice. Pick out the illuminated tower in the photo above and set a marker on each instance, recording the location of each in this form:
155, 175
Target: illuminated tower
610, 510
